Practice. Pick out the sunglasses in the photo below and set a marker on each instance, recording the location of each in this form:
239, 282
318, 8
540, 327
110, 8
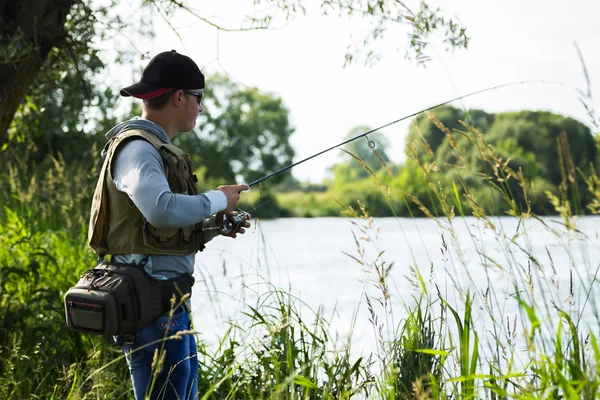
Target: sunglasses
199, 95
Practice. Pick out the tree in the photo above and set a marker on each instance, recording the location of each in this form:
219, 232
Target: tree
49, 45
243, 134
547, 147
538, 133
63, 112
29, 30
382, 15
425, 128
370, 150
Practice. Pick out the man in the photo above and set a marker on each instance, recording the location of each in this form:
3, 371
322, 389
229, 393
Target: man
147, 210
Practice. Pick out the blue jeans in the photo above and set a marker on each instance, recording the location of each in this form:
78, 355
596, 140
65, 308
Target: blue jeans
178, 378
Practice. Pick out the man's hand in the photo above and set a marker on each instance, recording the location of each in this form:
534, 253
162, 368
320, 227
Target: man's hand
232, 192
240, 230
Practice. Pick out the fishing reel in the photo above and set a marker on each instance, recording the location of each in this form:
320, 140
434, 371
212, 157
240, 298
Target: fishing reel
232, 222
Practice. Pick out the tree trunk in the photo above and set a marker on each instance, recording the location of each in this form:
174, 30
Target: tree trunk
29, 29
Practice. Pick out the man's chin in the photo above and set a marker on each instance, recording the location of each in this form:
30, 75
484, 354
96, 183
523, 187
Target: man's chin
190, 128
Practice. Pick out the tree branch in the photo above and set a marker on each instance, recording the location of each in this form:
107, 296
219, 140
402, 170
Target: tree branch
182, 6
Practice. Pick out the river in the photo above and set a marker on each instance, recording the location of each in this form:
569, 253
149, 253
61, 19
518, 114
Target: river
316, 261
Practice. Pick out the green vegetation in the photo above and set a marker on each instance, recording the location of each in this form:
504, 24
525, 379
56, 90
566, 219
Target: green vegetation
54, 113
552, 154
242, 132
435, 351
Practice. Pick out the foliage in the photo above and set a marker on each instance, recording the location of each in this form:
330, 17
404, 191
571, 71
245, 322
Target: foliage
68, 106
242, 133
59, 113
530, 143
382, 16
292, 360
60, 88
48, 171
426, 130
372, 151
264, 204
527, 156
278, 352
37, 266
556, 365
507, 149
309, 204
529, 138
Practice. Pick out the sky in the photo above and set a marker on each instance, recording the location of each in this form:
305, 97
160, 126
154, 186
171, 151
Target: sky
302, 61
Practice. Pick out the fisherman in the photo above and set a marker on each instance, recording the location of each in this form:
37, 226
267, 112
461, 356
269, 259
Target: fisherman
147, 210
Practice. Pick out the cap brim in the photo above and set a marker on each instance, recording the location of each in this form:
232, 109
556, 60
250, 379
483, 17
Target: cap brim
143, 91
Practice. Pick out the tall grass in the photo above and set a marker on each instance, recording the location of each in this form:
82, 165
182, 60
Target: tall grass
455, 341
561, 357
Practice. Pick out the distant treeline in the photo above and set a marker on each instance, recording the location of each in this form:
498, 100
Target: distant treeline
539, 161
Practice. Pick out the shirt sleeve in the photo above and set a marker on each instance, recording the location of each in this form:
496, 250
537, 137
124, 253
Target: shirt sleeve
138, 170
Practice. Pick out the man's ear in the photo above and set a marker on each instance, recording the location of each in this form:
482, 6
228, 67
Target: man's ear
177, 98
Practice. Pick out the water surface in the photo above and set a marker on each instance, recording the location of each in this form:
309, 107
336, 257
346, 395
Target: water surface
315, 260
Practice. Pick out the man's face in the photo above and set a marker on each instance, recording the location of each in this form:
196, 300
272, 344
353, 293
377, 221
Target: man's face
191, 107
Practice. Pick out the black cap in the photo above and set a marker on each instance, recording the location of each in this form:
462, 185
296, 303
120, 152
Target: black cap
167, 71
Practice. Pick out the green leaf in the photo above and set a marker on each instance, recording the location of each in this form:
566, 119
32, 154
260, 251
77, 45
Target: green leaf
303, 381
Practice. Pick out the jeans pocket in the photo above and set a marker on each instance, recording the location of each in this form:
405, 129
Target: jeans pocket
171, 324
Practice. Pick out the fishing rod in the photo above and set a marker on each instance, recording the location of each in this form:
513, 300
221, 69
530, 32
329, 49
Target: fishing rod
372, 144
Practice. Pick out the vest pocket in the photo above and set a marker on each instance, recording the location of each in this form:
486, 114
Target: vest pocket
170, 240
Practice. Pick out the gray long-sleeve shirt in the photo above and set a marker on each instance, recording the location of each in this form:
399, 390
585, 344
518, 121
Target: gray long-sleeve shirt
138, 170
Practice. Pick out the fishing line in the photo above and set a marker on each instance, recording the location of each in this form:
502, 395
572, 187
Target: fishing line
372, 144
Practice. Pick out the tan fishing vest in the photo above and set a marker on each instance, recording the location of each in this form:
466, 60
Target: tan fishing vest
118, 227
